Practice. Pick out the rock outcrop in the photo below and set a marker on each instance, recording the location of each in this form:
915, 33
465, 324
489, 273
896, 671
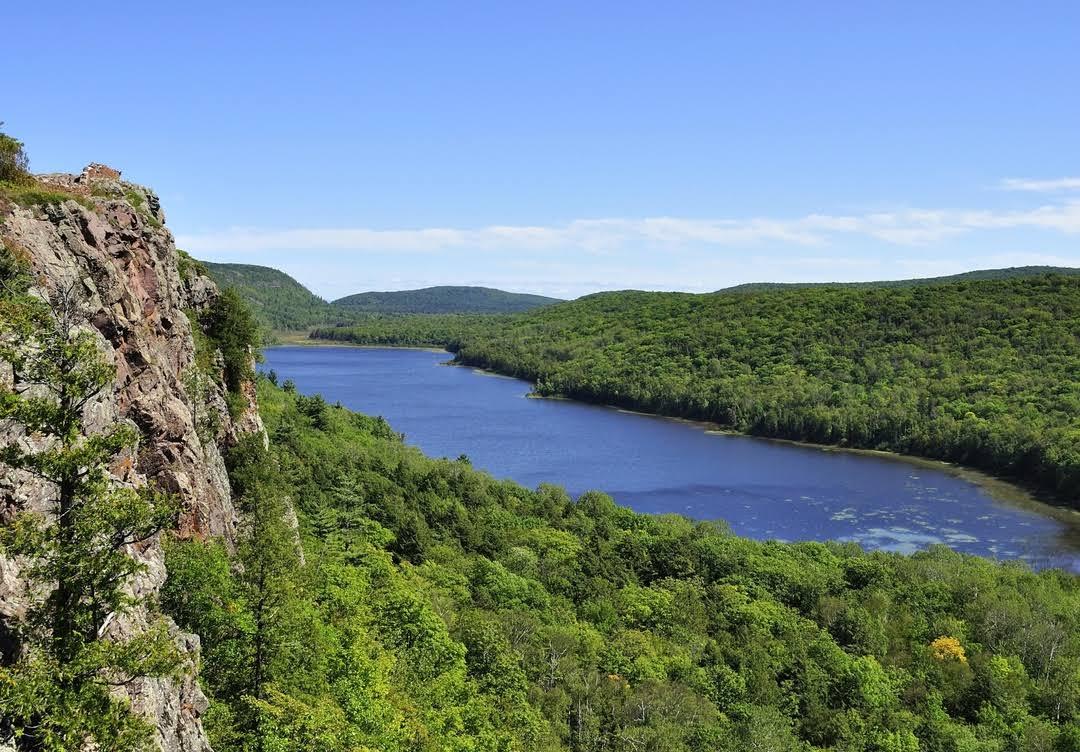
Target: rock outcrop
111, 252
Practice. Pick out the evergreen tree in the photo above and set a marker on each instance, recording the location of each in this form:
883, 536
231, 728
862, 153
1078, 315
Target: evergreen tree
233, 330
265, 590
57, 689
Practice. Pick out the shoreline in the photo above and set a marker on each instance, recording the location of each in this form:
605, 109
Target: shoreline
1000, 489
298, 341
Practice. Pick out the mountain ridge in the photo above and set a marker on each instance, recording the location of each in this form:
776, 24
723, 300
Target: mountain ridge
445, 299
975, 275
282, 303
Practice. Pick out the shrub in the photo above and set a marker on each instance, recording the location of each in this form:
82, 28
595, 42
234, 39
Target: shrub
18, 186
231, 327
189, 265
14, 269
14, 164
31, 193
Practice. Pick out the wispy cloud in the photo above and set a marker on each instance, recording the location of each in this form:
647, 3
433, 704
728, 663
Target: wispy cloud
1040, 186
665, 252
907, 227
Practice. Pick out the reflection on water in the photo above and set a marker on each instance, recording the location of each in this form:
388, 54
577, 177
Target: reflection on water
763, 489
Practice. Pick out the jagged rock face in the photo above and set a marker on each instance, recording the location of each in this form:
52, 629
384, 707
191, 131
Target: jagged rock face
122, 265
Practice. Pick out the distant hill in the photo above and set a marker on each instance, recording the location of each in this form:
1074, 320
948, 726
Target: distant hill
1011, 272
281, 303
976, 370
278, 300
444, 299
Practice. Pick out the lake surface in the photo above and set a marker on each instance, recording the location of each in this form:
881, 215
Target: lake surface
763, 489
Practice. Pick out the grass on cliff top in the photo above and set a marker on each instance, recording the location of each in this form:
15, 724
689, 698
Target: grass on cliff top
30, 193
33, 193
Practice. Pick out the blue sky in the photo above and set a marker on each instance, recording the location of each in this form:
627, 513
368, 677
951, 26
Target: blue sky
565, 148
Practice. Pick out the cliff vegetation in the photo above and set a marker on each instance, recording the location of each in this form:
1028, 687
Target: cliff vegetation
424, 605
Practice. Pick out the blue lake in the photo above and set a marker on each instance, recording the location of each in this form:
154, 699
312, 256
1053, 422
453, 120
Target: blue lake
762, 489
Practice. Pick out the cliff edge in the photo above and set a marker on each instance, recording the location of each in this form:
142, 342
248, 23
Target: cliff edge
101, 243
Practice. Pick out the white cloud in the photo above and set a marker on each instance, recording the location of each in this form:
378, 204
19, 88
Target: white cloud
1040, 186
661, 252
605, 236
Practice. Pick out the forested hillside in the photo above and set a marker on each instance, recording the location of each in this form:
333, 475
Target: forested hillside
1012, 272
423, 605
418, 330
984, 373
444, 299
278, 301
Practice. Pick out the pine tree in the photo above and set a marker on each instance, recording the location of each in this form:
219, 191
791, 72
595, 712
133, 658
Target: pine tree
58, 692
268, 583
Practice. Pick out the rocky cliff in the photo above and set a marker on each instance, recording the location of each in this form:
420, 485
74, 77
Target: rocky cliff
107, 247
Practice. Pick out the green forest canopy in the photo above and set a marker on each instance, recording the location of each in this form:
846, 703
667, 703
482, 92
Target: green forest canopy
443, 610
984, 373
282, 304
1012, 272
278, 301
444, 299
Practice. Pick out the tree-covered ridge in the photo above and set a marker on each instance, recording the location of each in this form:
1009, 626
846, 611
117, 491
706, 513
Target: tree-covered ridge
416, 330
1011, 272
982, 373
435, 608
281, 304
278, 301
444, 299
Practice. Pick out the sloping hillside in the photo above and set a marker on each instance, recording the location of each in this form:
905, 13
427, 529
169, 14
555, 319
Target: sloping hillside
978, 372
439, 609
278, 300
282, 303
1012, 272
444, 299
983, 373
